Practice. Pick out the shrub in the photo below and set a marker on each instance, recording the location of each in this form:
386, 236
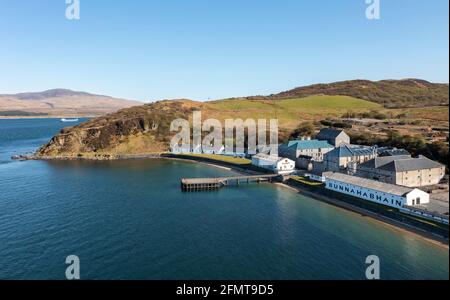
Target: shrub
305, 129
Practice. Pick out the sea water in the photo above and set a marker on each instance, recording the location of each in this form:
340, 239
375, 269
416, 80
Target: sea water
130, 220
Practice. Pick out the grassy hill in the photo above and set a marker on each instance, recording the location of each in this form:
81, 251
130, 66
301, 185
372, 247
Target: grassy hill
288, 111
327, 104
145, 129
307, 104
389, 93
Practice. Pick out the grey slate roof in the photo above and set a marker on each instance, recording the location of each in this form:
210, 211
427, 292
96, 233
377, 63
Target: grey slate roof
401, 163
392, 152
267, 157
329, 134
350, 151
379, 162
369, 184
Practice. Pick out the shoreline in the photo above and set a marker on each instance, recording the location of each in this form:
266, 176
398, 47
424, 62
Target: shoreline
45, 117
371, 216
374, 217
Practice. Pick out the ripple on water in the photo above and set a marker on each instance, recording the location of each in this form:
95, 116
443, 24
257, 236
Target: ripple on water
129, 220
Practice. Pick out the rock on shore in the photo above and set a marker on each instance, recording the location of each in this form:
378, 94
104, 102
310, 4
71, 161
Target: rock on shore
136, 130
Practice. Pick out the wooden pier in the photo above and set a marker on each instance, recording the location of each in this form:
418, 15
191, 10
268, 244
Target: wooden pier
209, 184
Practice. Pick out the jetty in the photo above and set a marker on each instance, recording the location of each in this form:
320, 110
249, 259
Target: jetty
209, 184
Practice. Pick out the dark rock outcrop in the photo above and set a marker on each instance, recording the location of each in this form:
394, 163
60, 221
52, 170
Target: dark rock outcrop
102, 136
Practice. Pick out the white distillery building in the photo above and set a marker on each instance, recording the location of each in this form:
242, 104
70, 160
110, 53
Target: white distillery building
375, 191
278, 165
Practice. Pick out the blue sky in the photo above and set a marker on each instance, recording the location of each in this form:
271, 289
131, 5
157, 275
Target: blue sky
209, 49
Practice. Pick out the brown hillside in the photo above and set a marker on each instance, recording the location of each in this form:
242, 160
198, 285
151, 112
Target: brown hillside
390, 93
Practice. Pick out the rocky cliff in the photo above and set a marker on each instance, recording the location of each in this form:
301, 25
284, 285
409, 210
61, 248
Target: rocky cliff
137, 130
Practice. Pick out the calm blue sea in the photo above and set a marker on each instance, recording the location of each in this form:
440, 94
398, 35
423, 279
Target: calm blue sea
129, 220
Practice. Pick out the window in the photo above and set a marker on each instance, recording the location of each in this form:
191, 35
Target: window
418, 201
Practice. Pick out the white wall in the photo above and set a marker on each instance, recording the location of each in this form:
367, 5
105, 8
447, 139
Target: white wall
285, 166
262, 163
416, 193
366, 194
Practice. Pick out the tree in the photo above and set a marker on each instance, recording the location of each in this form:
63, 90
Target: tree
439, 150
303, 130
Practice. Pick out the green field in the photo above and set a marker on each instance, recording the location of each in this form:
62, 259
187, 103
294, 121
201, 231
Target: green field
306, 181
329, 103
222, 158
289, 112
238, 105
307, 104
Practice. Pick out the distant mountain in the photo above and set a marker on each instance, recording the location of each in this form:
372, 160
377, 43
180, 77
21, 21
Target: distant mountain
48, 94
389, 93
61, 102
